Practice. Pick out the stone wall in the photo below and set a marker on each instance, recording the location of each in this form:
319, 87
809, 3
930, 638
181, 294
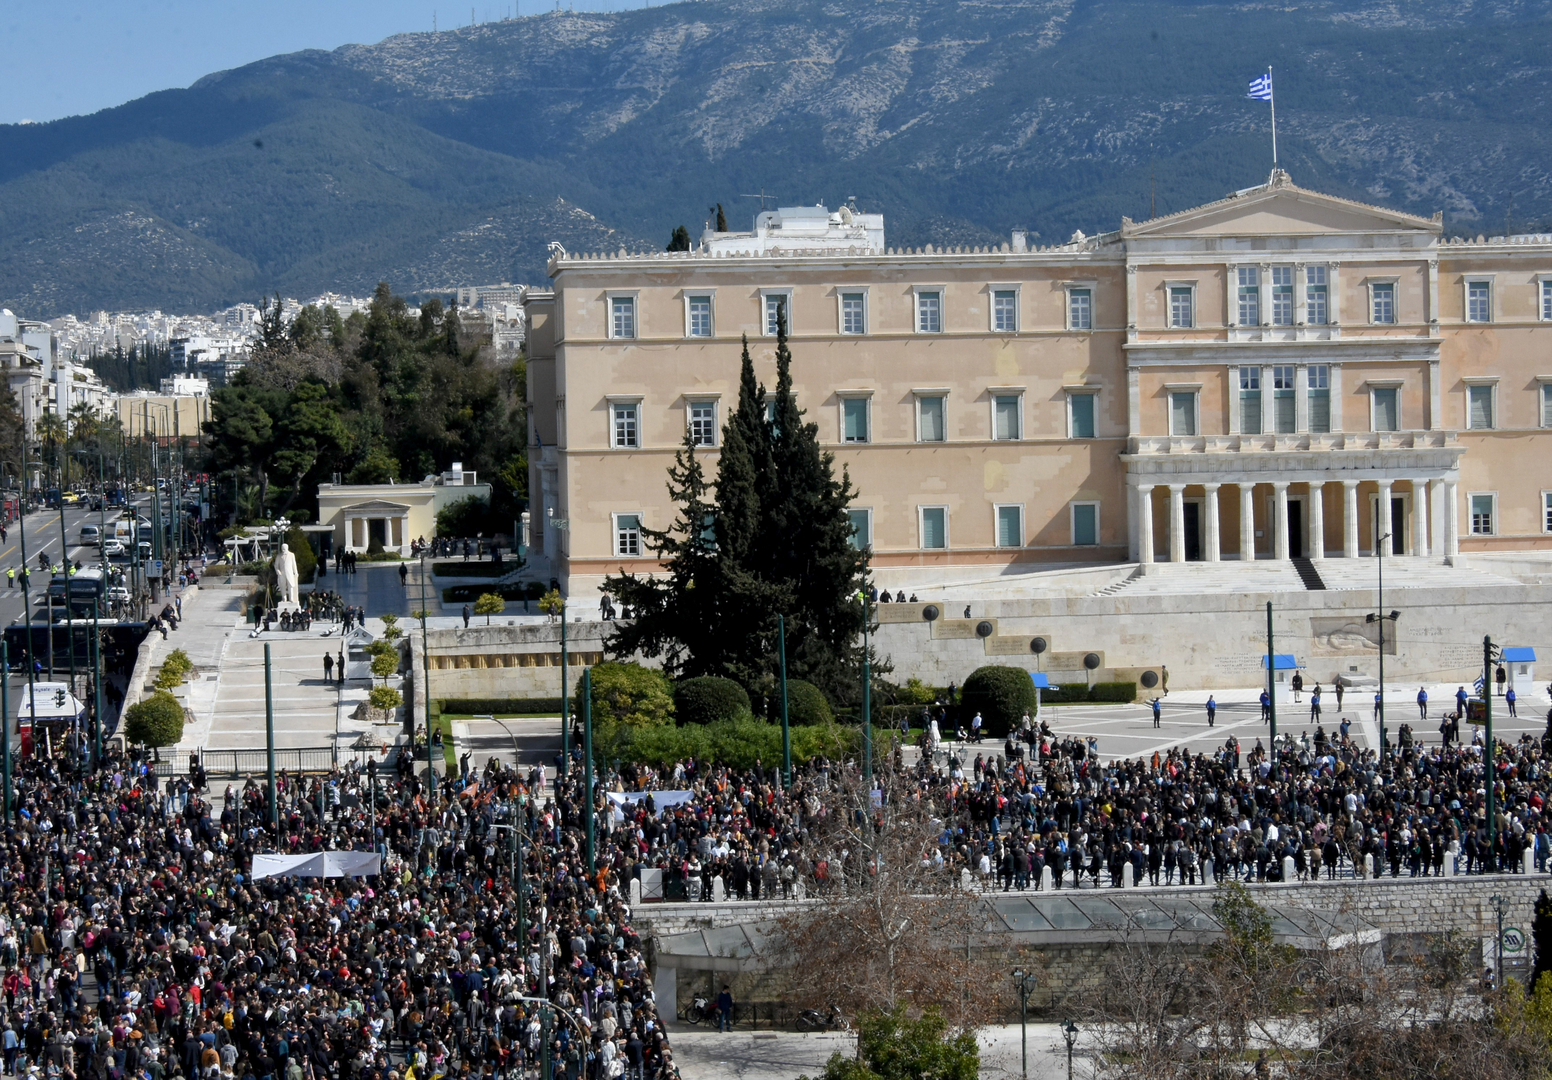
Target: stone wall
504, 660
1216, 640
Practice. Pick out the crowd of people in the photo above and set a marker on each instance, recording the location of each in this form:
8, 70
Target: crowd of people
137, 944
1326, 807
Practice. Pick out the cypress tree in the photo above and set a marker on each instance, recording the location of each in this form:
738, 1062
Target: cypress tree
680, 240
721, 219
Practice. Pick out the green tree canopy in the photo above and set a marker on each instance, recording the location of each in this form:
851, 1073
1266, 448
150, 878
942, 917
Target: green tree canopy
893, 1046
154, 721
628, 694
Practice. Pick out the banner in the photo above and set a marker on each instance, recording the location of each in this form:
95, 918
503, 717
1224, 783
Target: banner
324, 864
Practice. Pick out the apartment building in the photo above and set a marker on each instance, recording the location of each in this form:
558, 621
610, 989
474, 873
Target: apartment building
1277, 375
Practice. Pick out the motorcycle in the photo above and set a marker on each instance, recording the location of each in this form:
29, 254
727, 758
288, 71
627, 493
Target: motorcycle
814, 1020
696, 1011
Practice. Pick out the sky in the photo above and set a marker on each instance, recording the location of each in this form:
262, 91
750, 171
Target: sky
71, 57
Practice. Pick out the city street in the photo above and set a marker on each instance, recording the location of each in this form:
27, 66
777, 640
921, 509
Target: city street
41, 528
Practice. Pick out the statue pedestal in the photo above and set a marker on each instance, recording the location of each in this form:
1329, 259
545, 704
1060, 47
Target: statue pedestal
287, 607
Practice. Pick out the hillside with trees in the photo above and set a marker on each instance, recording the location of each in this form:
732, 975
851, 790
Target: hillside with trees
435, 159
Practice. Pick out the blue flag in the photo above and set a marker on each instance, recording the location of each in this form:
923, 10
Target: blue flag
1261, 87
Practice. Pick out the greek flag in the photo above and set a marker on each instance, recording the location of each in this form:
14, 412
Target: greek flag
1477, 686
1261, 87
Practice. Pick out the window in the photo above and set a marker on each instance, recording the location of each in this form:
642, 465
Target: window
1546, 511
1387, 408
627, 534
861, 528
1249, 401
1282, 296
700, 316
1249, 296
1546, 300
703, 423
1546, 404
1080, 416
854, 313
1482, 508
1479, 301
627, 425
1316, 311
929, 312
1182, 312
1382, 304
1005, 311
778, 306
1006, 417
930, 419
854, 419
1282, 400
1080, 309
934, 526
1182, 412
1479, 407
1318, 377
1010, 526
1085, 524
622, 316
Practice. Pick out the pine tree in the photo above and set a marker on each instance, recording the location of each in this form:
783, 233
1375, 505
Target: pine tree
680, 241
809, 546
676, 615
721, 219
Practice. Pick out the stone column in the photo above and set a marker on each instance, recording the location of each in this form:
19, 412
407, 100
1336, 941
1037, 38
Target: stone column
1451, 511
1247, 522
1436, 519
1177, 524
1383, 523
1145, 524
1419, 518
1280, 522
1316, 548
1214, 539
1349, 519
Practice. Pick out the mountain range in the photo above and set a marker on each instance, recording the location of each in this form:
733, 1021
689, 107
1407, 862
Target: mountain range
436, 159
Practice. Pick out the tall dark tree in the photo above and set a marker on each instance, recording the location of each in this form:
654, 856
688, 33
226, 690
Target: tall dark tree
680, 240
721, 219
272, 326
1541, 938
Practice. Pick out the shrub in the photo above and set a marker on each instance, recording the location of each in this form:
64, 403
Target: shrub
155, 721
628, 694
391, 631
386, 699
385, 664
468, 516
1066, 694
805, 704
1114, 691
489, 604
1001, 694
707, 699
541, 706
551, 603
175, 670
302, 548
737, 743
916, 692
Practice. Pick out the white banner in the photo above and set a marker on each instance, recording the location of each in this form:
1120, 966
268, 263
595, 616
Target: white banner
662, 800
324, 864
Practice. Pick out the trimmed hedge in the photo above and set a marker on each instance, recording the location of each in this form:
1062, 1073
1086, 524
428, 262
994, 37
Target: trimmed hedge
1114, 691
1080, 693
1001, 694
706, 699
154, 721
806, 705
734, 743
542, 706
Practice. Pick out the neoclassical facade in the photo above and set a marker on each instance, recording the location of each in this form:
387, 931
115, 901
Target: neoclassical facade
1277, 375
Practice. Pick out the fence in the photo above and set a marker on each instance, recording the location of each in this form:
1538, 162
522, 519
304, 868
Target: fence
239, 764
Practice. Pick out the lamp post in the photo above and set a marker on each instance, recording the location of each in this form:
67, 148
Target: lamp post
786, 730
1488, 761
1499, 904
425, 670
587, 767
1070, 1035
1380, 617
1271, 686
1022, 979
867, 702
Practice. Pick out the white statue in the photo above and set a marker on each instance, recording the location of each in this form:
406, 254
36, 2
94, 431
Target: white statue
286, 577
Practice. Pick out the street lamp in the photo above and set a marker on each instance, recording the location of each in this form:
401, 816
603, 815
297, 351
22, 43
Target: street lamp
1070, 1034
1022, 979
1499, 903
1380, 617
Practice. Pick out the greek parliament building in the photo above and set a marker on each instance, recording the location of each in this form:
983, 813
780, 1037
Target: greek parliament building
1279, 375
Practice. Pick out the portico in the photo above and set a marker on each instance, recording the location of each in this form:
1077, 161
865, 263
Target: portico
1309, 496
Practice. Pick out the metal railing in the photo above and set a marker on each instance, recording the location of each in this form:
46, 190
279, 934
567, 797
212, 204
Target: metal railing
240, 764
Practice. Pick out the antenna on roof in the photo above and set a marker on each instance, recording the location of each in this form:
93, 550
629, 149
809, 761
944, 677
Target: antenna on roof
762, 197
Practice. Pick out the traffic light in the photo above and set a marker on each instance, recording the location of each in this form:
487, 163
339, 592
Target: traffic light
59, 699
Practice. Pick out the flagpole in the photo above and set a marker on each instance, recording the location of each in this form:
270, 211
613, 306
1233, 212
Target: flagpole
1271, 87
